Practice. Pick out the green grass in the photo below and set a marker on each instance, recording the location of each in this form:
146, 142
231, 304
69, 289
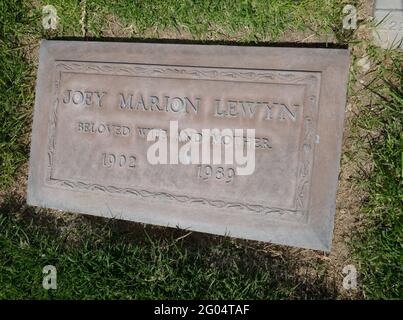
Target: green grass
379, 244
16, 94
243, 21
98, 258
98, 261
207, 19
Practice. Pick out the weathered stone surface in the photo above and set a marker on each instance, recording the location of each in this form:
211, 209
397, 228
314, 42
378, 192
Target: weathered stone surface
88, 151
388, 15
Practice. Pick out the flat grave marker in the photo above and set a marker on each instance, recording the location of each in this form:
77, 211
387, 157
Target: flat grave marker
97, 102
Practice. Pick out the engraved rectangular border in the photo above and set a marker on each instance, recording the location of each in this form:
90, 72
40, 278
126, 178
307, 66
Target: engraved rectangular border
310, 79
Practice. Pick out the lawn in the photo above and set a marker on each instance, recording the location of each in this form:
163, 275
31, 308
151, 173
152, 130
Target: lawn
98, 258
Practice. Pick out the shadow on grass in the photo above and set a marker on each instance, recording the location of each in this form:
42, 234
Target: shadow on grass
193, 264
205, 42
